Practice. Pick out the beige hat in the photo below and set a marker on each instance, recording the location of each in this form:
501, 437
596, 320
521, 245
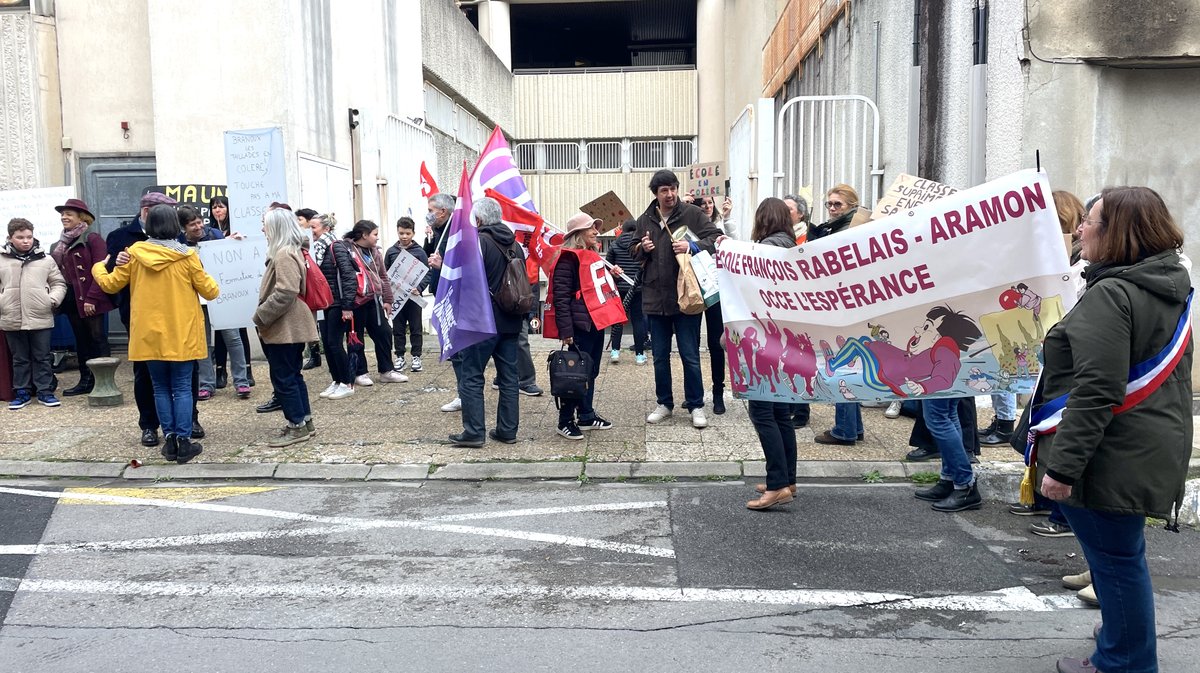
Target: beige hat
582, 221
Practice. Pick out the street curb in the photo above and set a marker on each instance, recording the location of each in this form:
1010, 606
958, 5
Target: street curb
478, 471
686, 469
398, 472
203, 471
346, 471
35, 468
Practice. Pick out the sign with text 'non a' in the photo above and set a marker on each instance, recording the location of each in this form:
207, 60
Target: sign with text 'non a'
238, 268
255, 175
951, 298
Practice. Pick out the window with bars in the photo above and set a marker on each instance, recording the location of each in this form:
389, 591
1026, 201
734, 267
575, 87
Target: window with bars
550, 157
651, 155
606, 155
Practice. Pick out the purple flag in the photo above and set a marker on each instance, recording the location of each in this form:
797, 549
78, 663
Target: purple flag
497, 170
462, 307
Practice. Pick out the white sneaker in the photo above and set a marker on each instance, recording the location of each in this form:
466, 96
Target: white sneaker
660, 414
452, 406
393, 377
342, 392
416, 364
329, 391
616, 356
698, 418
399, 363
363, 380
893, 410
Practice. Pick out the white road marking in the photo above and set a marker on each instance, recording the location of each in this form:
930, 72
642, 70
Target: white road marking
1015, 599
504, 514
550, 538
166, 542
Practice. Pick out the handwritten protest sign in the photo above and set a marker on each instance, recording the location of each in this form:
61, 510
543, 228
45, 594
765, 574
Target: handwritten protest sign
706, 180
238, 267
196, 196
609, 208
405, 274
37, 206
254, 171
947, 299
908, 191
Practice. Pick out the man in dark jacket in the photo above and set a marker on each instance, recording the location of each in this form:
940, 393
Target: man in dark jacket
441, 207
143, 388
669, 227
495, 239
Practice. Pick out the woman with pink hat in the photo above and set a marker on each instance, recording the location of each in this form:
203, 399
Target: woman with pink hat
576, 326
76, 252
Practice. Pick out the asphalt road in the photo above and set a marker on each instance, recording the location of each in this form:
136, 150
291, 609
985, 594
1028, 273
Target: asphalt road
502, 576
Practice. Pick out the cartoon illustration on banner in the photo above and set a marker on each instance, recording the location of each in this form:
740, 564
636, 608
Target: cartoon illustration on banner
908, 306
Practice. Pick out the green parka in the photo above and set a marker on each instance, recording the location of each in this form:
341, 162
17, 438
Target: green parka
1135, 462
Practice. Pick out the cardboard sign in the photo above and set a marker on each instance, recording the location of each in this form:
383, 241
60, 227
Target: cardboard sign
238, 268
254, 171
609, 208
37, 206
907, 192
706, 180
196, 196
405, 274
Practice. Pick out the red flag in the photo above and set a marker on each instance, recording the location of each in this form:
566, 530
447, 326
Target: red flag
428, 186
531, 232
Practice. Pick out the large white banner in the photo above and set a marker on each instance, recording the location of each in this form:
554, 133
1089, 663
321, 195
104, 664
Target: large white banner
947, 299
37, 206
255, 176
238, 268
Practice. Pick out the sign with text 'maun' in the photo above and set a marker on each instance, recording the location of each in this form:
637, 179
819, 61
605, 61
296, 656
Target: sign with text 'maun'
950, 298
238, 268
255, 175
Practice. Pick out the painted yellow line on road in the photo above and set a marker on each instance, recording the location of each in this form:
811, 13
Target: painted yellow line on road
177, 494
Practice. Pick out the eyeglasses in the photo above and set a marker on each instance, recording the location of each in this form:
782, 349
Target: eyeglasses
834, 204
1095, 223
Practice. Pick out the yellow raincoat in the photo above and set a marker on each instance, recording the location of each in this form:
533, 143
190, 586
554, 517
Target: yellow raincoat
167, 323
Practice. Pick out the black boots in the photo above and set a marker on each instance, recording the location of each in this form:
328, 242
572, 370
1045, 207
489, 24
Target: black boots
314, 356
937, 492
960, 499
1000, 434
222, 377
718, 400
87, 381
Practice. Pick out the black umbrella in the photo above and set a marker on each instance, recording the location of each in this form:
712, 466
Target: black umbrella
354, 348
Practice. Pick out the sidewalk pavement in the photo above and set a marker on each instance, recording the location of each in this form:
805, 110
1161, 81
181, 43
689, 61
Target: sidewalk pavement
397, 431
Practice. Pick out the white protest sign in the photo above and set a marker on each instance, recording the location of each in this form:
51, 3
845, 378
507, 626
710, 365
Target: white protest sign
255, 176
37, 206
405, 274
908, 191
238, 268
947, 299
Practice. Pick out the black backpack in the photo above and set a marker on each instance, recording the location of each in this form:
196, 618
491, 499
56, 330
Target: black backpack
515, 295
570, 373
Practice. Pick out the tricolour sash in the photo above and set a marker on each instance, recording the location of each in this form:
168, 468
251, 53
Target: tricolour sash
1144, 379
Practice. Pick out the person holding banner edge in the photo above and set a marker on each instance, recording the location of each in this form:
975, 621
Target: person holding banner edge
655, 250
1110, 420
841, 202
218, 206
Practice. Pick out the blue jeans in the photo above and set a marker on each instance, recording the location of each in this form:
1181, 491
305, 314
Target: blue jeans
847, 421
1115, 548
591, 343
686, 329
237, 358
173, 395
773, 423
1005, 406
472, 362
941, 417
288, 381
1056, 513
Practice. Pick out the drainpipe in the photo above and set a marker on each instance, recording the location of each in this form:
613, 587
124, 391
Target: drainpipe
914, 95
977, 120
